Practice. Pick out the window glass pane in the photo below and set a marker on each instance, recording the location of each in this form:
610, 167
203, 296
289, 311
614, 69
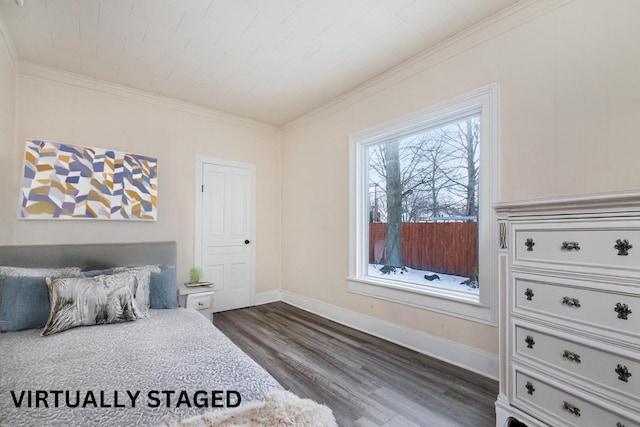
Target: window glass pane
423, 206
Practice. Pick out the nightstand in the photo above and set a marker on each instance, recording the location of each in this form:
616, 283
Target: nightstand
198, 298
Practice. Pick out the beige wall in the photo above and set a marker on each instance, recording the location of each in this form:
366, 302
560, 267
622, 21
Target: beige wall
569, 101
64, 108
7, 117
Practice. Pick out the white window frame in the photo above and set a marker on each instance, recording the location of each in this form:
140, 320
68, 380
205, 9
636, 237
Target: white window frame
482, 308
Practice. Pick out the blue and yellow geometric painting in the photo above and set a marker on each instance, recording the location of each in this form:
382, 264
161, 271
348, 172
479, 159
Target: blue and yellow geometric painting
68, 181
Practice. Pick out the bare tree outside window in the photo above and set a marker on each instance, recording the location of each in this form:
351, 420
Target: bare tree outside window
423, 191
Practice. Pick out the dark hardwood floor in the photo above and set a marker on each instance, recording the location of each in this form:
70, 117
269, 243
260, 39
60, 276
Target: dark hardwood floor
366, 381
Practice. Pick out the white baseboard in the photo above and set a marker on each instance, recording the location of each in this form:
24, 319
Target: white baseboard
267, 297
475, 360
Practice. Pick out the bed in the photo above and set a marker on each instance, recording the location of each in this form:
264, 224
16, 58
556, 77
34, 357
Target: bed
173, 364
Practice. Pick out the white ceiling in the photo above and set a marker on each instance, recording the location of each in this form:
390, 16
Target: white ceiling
268, 60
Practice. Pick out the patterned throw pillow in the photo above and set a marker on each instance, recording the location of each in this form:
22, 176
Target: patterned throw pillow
142, 274
163, 289
89, 301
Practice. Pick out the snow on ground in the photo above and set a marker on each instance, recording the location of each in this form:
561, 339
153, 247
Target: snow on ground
446, 281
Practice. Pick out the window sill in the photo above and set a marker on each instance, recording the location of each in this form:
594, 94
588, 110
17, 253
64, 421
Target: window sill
455, 304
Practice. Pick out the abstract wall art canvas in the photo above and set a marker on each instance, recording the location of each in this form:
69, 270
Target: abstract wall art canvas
67, 181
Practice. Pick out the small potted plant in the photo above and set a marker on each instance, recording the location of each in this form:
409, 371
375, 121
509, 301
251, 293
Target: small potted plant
195, 275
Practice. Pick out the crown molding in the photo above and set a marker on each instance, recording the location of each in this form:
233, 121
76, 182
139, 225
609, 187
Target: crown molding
620, 201
71, 79
495, 25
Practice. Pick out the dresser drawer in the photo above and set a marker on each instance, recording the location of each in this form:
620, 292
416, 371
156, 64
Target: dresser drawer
560, 405
610, 244
199, 301
620, 374
617, 312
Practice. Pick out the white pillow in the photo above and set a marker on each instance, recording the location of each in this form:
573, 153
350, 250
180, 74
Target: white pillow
9, 271
142, 275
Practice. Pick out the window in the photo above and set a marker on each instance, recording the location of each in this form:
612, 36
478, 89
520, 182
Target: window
422, 223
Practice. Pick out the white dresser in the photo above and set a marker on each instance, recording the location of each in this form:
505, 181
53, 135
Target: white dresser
570, 312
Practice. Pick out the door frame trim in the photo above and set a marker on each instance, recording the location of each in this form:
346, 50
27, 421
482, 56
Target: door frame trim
197, 238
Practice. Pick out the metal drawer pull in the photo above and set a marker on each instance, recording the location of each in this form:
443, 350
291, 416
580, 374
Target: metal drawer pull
571, 302
623, 373
619, 424
200, 304
529, 243
569, 355
530, 387
622, 310
503, 235
570, 246
529, 294
623, 247
530, 342
571, 408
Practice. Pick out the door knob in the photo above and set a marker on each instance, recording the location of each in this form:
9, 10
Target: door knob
246, 242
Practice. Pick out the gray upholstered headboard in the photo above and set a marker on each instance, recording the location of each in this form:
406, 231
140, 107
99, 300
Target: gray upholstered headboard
89, 256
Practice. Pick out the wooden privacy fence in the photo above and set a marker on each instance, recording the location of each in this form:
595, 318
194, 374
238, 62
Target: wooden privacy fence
441, 247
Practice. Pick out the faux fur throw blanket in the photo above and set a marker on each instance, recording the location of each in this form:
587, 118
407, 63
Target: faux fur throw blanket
279, 409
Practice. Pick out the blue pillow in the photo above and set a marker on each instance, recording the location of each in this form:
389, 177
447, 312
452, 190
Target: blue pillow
163, 290
25, 303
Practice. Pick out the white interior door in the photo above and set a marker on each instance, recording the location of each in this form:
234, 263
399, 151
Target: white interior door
227, 218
